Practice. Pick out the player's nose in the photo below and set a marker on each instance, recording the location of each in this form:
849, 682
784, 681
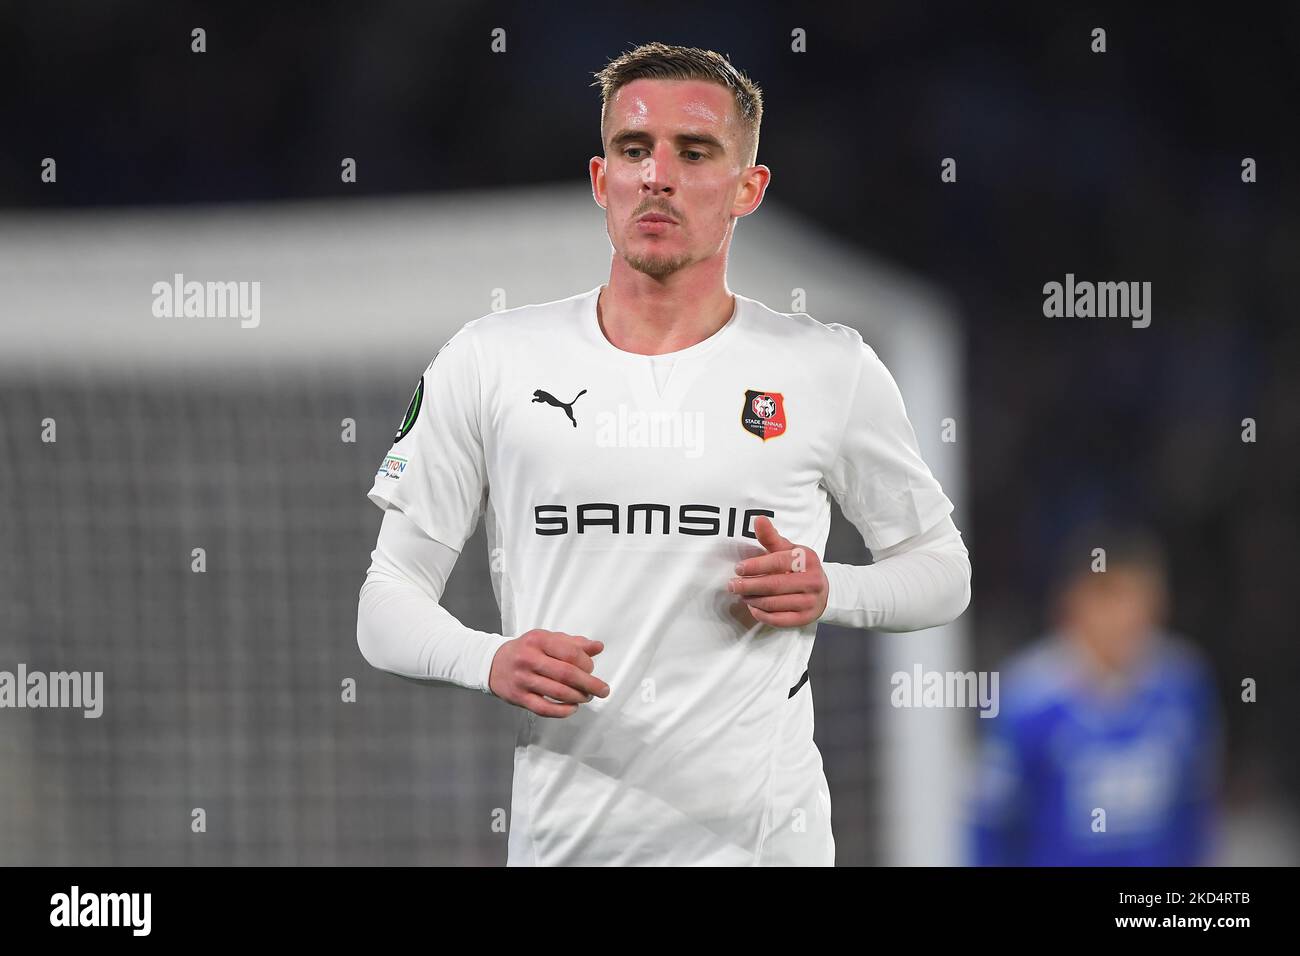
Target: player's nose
658, 173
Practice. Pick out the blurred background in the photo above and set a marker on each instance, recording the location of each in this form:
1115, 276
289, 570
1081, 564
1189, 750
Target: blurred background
223, 690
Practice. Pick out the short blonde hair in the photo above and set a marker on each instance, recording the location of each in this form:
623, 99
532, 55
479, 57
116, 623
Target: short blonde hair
662, 61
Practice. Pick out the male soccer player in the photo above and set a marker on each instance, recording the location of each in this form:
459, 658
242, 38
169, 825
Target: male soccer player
659, 590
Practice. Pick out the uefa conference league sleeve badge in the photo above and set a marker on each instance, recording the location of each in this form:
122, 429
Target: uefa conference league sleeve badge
412, 412
394, 464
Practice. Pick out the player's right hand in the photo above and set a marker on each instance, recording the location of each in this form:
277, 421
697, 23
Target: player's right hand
540, 664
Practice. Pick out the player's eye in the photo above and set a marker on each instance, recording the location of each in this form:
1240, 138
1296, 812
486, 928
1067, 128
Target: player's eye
633, 149
696, 152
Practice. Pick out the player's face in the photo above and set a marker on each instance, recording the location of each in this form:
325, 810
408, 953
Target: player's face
1115, 613
673, 148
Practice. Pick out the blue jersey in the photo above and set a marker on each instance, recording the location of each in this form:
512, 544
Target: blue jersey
1074, 774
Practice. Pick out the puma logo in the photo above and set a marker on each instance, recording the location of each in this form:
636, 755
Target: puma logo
549, 399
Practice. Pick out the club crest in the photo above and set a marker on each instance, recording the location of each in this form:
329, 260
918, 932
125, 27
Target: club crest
763, 414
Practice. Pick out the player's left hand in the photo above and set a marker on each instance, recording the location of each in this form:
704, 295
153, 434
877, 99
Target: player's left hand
785, 587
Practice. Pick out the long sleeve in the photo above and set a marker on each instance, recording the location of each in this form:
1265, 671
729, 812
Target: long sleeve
921, 574
922, 581
402, 628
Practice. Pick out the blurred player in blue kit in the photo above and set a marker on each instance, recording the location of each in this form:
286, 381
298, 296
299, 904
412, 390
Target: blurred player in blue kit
1106, 748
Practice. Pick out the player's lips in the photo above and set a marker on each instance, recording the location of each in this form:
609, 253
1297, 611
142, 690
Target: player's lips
654, 224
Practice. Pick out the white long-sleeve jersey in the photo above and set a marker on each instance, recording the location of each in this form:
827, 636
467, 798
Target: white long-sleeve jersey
618, 490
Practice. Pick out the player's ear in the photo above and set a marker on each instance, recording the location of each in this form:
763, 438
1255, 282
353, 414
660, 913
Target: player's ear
751, 190
596, 168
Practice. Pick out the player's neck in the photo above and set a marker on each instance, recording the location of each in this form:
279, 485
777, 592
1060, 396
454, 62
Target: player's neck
1107, 677
653, 318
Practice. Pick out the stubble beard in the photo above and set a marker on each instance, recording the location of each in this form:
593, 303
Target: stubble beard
657, 265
